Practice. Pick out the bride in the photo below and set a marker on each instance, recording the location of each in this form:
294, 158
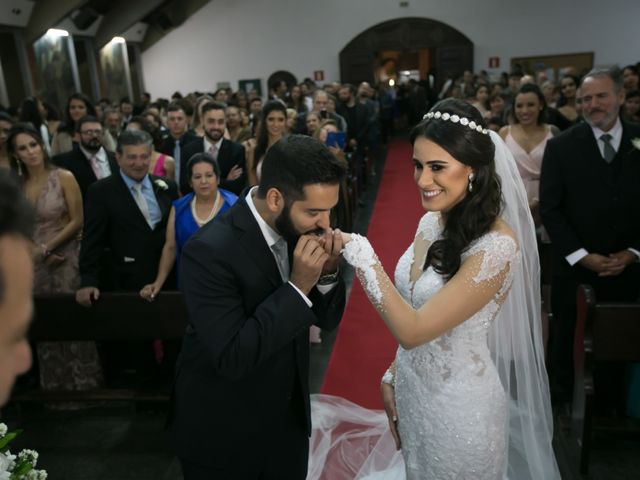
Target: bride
467, 395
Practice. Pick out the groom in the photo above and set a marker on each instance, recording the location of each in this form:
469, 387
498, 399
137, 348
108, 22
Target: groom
254, 281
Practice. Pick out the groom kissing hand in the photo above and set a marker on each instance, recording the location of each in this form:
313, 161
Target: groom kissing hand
254, 281
316, 259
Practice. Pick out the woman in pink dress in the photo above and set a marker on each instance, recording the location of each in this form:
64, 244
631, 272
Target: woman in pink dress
56, 197
527, 138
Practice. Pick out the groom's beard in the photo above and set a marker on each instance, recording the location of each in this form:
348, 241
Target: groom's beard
284, 226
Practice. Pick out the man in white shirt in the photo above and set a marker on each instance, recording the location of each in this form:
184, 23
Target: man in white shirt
590, 206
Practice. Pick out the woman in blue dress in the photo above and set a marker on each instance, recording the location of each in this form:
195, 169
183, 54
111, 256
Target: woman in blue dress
189, 213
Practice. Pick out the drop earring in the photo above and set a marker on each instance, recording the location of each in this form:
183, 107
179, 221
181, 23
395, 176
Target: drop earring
472, 177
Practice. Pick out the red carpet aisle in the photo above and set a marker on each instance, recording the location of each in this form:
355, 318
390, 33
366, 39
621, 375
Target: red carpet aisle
364, 347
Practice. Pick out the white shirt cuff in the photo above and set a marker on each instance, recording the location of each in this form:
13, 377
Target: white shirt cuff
636, 252
576, 256
304, 297
324, 289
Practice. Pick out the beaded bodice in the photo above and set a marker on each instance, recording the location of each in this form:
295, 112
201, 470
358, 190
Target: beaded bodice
465, 346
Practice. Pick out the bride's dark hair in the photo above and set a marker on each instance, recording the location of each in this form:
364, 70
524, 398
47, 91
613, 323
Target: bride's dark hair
474, 215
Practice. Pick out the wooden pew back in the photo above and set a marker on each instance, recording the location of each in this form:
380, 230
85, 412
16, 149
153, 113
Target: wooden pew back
605, 332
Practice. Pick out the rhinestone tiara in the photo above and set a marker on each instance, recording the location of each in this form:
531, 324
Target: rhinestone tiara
464, 121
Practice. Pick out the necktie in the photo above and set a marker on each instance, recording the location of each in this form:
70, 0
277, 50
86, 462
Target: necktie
95, 166
176, 157
142, 203
282, 258
609, 151
214, 152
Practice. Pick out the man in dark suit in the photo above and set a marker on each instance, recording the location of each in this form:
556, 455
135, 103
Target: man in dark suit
230, 155
126, 219
241, 397
90, 161
590, 205
128, 213
179, 135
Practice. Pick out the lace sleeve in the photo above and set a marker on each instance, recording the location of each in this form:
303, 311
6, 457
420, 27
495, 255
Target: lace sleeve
360, 255
484, 275
389, 376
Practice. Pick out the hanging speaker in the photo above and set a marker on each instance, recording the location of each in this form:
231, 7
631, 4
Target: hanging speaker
84, 18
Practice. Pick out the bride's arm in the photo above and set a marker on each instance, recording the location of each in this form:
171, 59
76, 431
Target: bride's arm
480, 277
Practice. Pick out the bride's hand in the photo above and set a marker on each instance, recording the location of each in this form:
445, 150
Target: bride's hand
389, 401
346, 237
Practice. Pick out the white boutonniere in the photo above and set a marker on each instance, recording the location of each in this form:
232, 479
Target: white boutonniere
161, 184
636, 143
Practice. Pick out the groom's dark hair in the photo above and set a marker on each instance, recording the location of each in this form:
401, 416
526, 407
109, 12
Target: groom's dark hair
296, 161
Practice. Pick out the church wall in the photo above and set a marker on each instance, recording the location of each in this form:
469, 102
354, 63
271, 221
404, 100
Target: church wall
228, 40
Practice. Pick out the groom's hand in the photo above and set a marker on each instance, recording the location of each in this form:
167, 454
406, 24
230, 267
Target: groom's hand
332, 241
309, 257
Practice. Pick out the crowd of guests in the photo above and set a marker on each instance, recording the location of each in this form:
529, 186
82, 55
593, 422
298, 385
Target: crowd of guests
119, 188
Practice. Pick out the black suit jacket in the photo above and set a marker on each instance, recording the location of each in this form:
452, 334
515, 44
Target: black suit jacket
243, 368
114, 222
587, 203
230, 155
77, 163
169, 143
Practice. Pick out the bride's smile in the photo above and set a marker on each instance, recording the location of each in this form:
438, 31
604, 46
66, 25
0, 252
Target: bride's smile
443, 180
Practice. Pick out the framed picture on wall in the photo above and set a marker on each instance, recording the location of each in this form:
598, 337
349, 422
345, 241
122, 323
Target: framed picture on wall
116, 76
55, 57
251, 84
555, 65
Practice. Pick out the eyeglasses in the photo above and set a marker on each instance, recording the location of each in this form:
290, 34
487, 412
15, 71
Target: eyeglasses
91, 133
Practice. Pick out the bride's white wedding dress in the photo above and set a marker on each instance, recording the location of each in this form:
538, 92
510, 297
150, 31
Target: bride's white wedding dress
472, 403
452, 410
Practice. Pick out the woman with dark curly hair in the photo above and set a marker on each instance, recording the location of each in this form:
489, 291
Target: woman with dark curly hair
567, 113
467, 394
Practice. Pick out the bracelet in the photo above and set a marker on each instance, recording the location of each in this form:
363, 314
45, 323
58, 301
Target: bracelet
329, 278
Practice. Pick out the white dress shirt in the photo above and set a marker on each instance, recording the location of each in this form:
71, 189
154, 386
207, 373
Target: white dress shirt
102, 159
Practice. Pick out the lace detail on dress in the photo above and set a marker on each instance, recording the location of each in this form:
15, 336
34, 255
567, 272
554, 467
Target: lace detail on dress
452, 407
429, 227
359, 254
503, 250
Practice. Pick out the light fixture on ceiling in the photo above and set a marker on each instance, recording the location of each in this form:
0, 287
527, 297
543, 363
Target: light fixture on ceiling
56, 32
118, 40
